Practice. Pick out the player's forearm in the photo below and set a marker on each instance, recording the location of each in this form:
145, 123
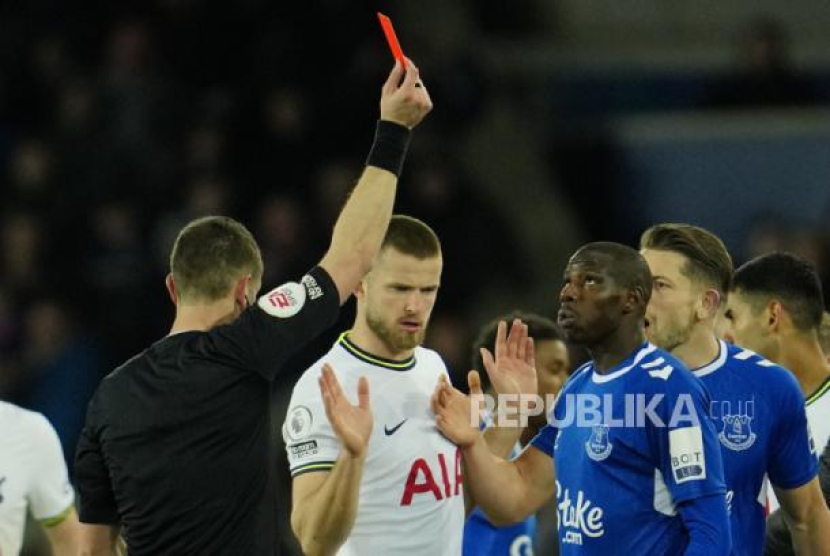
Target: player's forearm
811, 537
501, 440
496, 485
361, 226
707, 523
325, 520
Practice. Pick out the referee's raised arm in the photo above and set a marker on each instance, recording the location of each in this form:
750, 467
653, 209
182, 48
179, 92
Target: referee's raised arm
362, 223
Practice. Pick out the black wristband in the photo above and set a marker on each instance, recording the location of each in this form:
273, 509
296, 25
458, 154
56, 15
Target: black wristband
389, 149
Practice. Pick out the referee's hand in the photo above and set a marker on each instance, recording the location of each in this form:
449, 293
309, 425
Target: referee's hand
352, 424
407, 102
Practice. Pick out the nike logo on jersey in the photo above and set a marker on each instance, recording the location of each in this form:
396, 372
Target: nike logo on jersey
393, 430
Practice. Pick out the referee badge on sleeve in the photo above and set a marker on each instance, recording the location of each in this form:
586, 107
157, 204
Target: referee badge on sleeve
284, 301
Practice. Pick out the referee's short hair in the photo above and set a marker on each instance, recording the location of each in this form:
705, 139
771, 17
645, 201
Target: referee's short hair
411, 236
210, 255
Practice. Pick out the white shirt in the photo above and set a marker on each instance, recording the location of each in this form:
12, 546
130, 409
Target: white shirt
818, 418
32, 475
411, 499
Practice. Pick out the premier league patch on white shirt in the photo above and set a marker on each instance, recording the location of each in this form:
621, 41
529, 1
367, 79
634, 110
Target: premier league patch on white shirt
284, 301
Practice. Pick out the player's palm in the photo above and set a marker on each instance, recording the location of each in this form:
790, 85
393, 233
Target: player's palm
454, 414
513, 369
351, 423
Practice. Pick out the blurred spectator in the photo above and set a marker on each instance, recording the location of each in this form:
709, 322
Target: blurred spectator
765, 75
62, 369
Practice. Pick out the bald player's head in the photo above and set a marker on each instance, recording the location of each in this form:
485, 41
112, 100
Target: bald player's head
607, 288
622, 263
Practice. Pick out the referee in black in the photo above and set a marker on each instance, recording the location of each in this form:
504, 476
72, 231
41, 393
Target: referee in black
176, 453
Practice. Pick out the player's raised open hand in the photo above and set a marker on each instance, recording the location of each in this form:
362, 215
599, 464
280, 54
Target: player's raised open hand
352, 424
513, 369
454, 415
404, 102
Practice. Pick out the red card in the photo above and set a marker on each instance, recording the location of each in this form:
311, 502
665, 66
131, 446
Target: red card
392, 39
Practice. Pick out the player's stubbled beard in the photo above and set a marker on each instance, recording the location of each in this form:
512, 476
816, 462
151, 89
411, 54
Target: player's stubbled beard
395, 340
672, 329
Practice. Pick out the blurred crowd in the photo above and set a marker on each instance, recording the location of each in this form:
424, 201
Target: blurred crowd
120, 122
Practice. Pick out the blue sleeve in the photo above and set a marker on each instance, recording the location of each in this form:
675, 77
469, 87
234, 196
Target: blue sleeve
545, 439
707, 521
687, 444
793, 461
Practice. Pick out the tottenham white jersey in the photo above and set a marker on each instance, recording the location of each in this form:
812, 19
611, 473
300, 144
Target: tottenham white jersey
818, 415
32, 475
411, 499
818, 418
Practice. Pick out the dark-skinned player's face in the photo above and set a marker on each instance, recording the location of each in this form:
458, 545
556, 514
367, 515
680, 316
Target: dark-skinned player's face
591, 302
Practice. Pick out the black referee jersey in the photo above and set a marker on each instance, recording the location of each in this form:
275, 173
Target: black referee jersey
178, 446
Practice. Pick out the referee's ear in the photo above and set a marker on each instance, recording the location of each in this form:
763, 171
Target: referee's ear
171, 288
240, 292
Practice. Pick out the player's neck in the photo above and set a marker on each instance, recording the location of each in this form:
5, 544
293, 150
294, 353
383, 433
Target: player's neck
700, 349
202, 317
803, 356
363, 337
616, 348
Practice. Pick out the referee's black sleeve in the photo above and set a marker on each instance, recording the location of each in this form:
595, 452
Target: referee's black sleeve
281, 323
96, 500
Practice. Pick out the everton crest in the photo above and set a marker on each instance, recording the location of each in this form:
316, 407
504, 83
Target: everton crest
737, 432
599, 446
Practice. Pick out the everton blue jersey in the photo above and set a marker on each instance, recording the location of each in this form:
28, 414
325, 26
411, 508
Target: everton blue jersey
630, 447
758, 411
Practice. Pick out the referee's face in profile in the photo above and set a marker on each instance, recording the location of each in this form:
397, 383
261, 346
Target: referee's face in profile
397, 296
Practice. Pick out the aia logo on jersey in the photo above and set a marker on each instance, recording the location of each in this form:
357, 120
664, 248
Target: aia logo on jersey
422, 479
737, 432
599, 446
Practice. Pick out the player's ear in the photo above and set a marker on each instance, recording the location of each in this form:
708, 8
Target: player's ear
171, 288
634, 299
709, 304
360, 290
775, 314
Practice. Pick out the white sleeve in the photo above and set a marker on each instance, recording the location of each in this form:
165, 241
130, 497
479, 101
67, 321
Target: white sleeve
309, 439
50, 494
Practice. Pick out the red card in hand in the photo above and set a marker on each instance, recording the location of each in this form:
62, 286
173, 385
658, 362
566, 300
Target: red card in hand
392, 39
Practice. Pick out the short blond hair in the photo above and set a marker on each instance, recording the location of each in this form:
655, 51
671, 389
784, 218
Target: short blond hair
210, 254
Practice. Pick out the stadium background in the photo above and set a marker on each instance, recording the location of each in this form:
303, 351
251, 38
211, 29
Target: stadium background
555, 123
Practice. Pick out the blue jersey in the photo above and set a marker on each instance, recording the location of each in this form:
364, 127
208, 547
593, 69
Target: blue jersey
482, 538
630, 447
758, 411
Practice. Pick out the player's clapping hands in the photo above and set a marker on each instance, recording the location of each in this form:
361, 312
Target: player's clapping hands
513, 369
454, 415
352, 424
404, 102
